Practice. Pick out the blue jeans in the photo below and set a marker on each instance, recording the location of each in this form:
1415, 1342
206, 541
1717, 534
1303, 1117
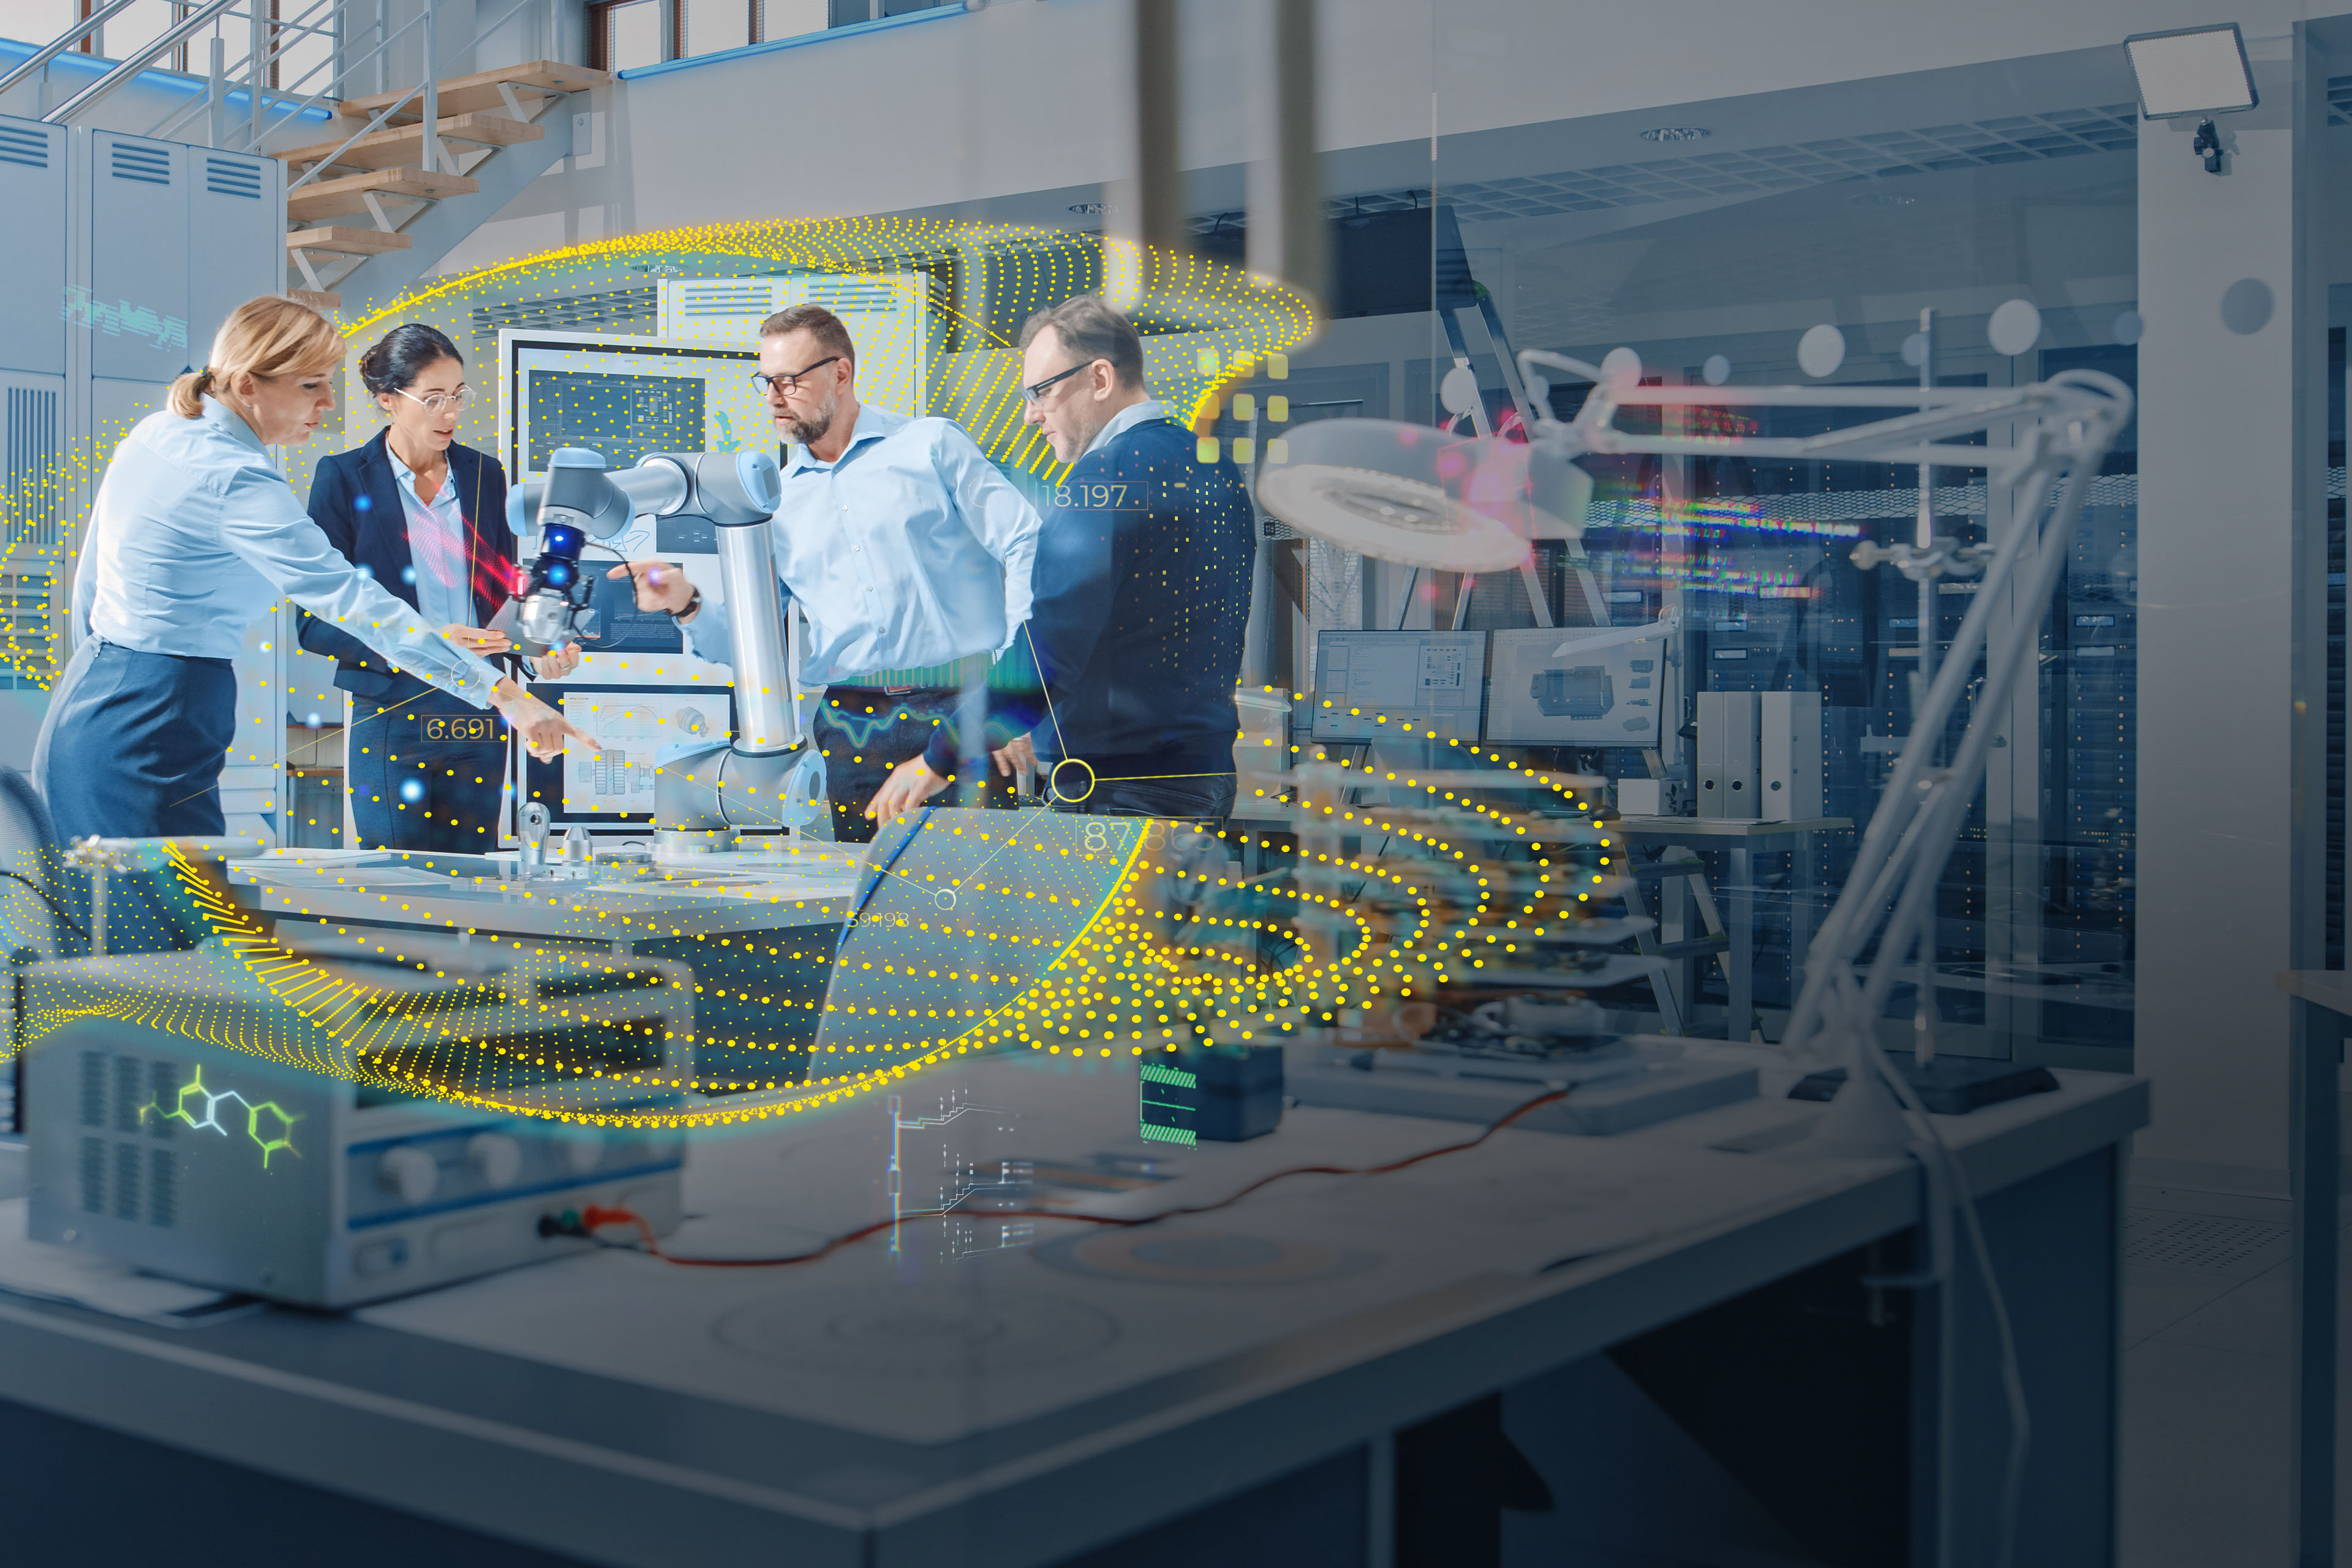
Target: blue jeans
133, 745
425, 771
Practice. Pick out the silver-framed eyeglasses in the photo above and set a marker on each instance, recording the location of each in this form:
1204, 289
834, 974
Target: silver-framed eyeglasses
439, 402
790, 379
1037, 393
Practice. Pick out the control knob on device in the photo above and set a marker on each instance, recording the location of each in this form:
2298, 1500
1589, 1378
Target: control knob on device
496, 1159
409, 1171
583, 1150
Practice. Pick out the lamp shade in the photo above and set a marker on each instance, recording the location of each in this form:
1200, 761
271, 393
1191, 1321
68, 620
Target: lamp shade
2192, 70
1420, 497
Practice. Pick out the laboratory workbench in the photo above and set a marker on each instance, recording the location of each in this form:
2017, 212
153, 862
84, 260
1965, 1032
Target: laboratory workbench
695, 911
1320, 1374
625, 904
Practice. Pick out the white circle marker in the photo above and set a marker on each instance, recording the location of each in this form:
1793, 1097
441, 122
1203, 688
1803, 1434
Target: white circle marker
1820, 351
2014, 328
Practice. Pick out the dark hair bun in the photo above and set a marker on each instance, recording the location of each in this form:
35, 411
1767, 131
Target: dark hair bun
405, 352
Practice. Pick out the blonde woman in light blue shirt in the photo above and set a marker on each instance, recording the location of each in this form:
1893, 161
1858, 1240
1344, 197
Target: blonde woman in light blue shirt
193, 533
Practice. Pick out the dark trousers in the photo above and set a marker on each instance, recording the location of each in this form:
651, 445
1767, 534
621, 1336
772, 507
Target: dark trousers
1204, 798
865, 731
133, 745
425, 771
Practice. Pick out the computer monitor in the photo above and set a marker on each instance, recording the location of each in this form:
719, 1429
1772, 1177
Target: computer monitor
610, 787
624, 396
1422, 679
1541, 691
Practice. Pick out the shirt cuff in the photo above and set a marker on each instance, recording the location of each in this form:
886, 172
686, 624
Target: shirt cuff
709, 633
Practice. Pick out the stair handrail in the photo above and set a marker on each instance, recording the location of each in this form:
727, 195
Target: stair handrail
286, 106
66, 40
132, 64
286, 110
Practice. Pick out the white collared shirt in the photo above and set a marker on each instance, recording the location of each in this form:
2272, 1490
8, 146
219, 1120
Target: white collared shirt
437, 546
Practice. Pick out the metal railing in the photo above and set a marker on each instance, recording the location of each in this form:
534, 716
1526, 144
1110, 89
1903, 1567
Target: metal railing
271, 104
66, 40
131, 65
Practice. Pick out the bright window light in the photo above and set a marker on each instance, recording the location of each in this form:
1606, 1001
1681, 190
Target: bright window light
2195, 70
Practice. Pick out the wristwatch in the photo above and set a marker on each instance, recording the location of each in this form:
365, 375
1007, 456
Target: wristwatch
691, 606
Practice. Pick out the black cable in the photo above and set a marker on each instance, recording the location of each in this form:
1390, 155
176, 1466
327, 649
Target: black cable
55, 907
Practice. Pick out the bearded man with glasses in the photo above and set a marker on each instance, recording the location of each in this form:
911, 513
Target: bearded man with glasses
901, 544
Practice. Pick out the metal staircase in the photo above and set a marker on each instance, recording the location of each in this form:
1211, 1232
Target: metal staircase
490, 136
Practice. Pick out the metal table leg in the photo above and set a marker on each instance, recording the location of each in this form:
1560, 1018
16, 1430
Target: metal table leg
1801, 912
1740, 922
2313, 1156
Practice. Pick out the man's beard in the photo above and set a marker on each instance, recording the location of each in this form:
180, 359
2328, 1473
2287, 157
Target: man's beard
803, 432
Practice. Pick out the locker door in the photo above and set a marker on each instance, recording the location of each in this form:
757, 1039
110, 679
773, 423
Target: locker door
33, 194
237, 238
32, 458
138, 306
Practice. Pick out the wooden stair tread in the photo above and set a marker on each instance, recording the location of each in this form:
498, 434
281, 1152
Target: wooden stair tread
347, 196
397, 144
316, 299
464, 94
350, 241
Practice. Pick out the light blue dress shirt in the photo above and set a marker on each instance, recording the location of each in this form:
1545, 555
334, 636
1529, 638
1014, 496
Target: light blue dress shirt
908, 550
194, 530
437, 548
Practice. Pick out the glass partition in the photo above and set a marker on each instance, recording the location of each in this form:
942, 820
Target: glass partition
1973, 229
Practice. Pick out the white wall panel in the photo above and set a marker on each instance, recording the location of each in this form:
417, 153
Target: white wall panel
33, 194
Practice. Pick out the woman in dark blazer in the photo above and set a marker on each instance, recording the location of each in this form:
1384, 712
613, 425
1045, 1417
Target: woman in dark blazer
426, 518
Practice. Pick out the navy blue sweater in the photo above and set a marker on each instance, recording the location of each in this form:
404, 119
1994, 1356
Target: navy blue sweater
1140, 599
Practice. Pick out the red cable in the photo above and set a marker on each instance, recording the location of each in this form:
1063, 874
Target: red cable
595, 1216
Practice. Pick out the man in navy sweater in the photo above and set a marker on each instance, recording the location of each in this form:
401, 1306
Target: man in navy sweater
1140, 596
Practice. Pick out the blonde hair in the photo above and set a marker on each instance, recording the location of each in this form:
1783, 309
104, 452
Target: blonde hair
267, 337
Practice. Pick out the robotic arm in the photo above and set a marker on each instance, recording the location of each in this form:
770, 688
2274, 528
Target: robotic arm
580, 499
758, 781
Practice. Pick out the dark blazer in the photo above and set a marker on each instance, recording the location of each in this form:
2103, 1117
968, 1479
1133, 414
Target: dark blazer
355, 498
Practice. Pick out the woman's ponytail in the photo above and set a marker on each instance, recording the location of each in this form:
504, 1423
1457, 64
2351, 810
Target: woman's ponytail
187, 399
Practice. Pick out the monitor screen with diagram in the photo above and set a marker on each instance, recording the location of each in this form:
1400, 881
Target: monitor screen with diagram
611, 783
1541, 691
1431, 680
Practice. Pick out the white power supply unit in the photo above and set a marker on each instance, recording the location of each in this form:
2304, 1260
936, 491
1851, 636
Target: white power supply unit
152, 1143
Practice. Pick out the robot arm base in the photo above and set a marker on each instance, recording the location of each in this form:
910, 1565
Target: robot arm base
721, 789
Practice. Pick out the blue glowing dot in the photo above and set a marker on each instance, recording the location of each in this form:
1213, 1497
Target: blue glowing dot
408, 574
313, 720
412, 790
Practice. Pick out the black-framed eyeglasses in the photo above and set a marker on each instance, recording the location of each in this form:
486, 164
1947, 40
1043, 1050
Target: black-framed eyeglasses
790, 379
1036, 393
